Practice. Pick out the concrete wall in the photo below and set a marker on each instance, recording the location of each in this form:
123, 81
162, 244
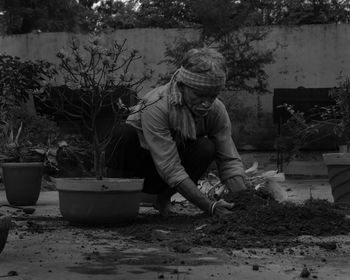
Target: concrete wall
308, 56
151, 43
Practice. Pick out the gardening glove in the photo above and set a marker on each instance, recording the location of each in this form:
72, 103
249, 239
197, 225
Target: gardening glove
222, 208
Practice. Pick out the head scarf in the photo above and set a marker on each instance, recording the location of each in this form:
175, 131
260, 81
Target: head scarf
181, 119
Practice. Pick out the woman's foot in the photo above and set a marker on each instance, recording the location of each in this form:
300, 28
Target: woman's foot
164, 206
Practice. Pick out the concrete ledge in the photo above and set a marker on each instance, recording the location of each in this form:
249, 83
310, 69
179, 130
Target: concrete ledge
316, 168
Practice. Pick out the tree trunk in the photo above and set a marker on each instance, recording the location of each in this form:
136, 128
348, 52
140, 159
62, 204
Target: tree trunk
97, 163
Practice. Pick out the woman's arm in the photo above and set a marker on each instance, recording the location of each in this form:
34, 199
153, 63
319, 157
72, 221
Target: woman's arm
188, 189
235, 184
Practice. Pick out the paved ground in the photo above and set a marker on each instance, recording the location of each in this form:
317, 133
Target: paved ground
52, 249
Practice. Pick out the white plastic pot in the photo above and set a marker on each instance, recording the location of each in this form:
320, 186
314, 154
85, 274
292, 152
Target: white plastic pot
89, 201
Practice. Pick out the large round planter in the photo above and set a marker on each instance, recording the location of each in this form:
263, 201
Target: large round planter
22, 182
5, 222
87, 201
338, 165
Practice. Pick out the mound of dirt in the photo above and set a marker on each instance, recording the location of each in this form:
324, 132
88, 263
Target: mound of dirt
259, 221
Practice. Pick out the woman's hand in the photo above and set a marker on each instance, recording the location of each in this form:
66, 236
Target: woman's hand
235, 184
189, 190
222, 208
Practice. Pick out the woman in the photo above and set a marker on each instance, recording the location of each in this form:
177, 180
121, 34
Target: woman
177, 131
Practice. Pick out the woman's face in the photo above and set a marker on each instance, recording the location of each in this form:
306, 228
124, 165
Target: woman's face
199, 102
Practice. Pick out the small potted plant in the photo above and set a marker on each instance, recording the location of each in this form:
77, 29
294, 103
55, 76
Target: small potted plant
97, 81
23, 141
20, 128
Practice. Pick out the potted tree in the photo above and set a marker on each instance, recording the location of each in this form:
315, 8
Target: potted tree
98, 84
21, 128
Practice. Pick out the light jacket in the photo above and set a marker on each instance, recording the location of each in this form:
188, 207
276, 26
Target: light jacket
155, 135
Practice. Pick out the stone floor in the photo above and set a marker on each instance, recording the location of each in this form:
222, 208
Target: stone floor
61, 251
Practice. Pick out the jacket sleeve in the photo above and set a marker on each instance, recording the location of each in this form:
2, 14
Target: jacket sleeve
227, 157
156, 130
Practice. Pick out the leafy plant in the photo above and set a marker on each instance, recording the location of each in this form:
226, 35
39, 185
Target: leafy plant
21, 16
297, 132
24, 138
19, 79
99, 81
302, 130
20, 132
298, 12
165, 14
339, 114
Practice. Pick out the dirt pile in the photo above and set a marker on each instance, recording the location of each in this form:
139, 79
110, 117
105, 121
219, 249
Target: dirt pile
259, 221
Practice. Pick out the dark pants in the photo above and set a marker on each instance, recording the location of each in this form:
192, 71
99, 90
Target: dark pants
127, 159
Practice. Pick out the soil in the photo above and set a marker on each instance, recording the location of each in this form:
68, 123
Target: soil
257, 220
260, 221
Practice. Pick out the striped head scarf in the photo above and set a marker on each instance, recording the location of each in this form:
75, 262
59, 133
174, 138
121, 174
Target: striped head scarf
181, 119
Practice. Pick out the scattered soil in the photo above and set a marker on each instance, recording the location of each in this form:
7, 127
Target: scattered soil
257, 220
305, 273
